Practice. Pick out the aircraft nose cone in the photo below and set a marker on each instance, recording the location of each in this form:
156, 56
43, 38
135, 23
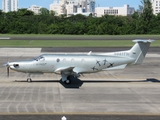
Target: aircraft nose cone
11, 65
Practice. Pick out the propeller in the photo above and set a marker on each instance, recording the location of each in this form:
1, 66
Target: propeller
8, 72
8, 67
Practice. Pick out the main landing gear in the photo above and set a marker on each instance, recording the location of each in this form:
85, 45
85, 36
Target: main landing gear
66, 78
68, 81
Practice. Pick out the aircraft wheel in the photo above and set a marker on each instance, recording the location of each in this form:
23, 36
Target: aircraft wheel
29, 80
67, 81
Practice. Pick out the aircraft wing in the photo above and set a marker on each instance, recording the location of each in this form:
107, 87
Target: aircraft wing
72, 70
117, 67
64, 69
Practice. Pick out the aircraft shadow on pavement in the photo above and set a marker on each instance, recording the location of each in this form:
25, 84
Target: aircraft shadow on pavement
77, 83
120, 81
152, 80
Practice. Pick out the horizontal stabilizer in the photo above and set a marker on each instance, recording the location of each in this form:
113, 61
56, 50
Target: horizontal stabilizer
143, 41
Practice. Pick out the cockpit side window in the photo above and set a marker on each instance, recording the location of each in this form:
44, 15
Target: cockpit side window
40, 58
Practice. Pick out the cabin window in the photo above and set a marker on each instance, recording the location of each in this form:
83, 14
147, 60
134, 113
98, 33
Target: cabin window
58, 60
64, 60
82, 60
72, 60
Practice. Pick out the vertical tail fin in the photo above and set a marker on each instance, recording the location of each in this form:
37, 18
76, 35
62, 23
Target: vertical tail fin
139, 50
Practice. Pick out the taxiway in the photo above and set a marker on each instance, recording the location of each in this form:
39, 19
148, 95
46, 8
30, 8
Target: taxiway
132, 91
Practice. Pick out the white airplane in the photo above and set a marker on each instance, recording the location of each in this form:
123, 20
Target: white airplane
68, 65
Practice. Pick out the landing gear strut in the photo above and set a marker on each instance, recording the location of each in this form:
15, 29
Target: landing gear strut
65, 78
29, 78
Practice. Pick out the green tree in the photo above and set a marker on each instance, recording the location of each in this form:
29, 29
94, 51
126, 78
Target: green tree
52, 13
1, 12
24, 12
145, 19
44, 11
53, 29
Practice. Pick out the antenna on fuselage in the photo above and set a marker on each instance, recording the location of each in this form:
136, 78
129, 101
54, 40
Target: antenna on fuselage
89, 53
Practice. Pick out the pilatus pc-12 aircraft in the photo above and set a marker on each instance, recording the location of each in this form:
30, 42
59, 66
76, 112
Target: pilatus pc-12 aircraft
74, 65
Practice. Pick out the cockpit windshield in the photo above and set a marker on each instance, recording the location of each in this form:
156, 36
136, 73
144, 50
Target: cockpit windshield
39, 58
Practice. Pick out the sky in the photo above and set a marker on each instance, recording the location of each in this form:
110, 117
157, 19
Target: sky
100, 3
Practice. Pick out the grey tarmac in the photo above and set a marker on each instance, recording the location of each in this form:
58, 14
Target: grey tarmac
78, 117
123, 94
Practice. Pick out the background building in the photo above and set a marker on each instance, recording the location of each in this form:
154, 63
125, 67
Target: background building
9, 5
58, 7
156, 6
123, 11
35, 9
71, 7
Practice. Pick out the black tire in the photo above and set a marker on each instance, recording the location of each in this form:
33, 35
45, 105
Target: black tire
67, 82
29, 80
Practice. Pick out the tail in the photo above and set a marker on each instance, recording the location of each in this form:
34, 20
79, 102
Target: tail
139, 50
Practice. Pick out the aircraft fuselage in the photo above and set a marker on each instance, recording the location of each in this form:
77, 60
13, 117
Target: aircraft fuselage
49, 63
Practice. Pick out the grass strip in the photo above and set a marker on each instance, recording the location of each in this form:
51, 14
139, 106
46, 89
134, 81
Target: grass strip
70, 43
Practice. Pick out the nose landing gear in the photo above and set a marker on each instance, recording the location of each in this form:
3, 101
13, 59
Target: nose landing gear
29, 78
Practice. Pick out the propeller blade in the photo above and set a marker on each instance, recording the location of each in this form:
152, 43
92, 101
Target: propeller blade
8, 72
